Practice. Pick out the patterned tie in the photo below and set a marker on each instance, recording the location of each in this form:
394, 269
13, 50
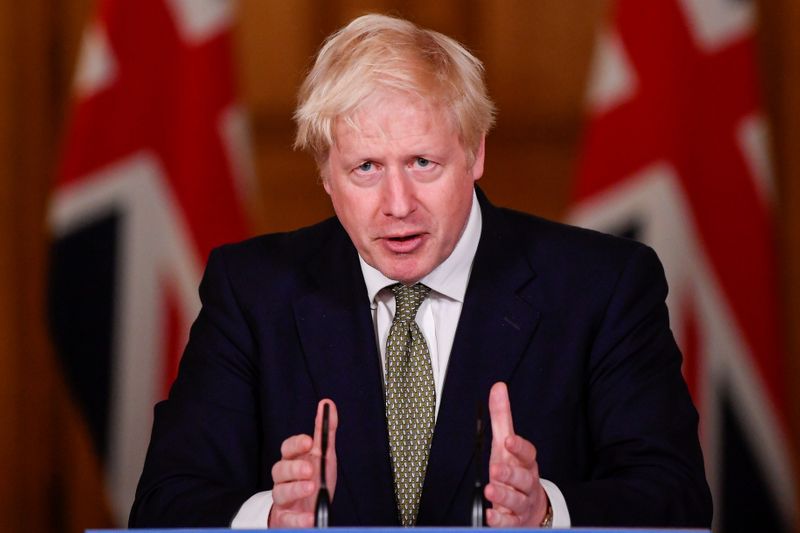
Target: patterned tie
410, 400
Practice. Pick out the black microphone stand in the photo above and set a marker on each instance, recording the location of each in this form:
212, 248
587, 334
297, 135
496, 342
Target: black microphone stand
323, 497
478, 507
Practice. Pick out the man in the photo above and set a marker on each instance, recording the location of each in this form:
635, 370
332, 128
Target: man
419, 301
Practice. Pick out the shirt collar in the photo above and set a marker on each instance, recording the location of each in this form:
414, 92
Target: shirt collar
450, 278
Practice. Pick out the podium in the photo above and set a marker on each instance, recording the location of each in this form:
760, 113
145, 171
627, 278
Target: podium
406, 530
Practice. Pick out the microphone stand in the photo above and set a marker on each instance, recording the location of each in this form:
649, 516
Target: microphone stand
478, 507
323, 497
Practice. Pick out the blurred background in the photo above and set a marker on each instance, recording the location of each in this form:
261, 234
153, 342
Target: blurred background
559, 150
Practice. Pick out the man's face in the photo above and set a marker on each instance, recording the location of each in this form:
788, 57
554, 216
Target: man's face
401, 184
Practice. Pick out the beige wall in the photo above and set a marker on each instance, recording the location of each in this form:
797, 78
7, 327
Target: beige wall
537, 54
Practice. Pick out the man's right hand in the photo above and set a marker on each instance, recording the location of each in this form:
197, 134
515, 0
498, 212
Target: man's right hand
296, 475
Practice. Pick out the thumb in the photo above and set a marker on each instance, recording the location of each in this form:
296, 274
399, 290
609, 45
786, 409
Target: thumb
330, 456
333, 422
500, 415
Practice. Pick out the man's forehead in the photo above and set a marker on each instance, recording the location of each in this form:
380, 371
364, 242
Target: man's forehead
393, 118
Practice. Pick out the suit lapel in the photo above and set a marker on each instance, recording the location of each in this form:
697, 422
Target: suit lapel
338, 338
495, 327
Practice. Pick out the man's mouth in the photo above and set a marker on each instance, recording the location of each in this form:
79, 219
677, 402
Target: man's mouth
404, 238
403, 244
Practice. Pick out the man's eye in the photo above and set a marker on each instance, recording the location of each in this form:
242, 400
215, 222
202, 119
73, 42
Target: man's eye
366, 166
422, 162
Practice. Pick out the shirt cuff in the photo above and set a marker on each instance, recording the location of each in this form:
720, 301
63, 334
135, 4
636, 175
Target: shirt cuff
254, 513
558, 503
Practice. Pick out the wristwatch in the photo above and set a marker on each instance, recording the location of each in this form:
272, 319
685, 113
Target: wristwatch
547, 521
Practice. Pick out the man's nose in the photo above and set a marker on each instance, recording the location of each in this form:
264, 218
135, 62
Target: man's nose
398, 199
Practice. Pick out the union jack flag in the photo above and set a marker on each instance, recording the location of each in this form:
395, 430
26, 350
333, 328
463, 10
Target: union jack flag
676, 155
153, 175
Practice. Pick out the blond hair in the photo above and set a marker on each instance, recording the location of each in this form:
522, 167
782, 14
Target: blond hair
376, 52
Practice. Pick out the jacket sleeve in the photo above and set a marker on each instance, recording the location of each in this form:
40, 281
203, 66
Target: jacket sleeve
646, 463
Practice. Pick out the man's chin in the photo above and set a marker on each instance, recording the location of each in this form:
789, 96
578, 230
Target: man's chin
406, 271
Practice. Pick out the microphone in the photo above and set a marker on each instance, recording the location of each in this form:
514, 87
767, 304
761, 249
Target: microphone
323, 497
478, 508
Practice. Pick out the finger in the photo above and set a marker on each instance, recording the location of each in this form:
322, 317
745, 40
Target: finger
292, 519
495, 518
503, 496
500, 415
285, 494
522, 450
494, 506
521, 479
295, 446
291, 470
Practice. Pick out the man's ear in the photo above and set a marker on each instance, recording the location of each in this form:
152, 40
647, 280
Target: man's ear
323, 160
322, 166
476, 171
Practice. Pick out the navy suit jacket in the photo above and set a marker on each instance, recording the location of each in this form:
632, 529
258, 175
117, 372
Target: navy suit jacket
573, 320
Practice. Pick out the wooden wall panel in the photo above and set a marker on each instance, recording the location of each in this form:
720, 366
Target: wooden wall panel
780, 54
789, 143
33, 153
291, 191
537, 54
50, 473
456, 18
274, 45
29, 139
276, 42
9, 337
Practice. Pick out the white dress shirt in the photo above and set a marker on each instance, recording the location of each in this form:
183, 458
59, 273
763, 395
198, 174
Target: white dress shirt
438, 318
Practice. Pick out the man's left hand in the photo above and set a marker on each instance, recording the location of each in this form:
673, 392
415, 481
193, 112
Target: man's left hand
514, 490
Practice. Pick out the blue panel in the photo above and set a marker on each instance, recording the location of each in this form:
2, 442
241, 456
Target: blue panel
81, 312
398, 530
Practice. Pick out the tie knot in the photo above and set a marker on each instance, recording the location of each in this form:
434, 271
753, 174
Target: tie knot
408, 298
